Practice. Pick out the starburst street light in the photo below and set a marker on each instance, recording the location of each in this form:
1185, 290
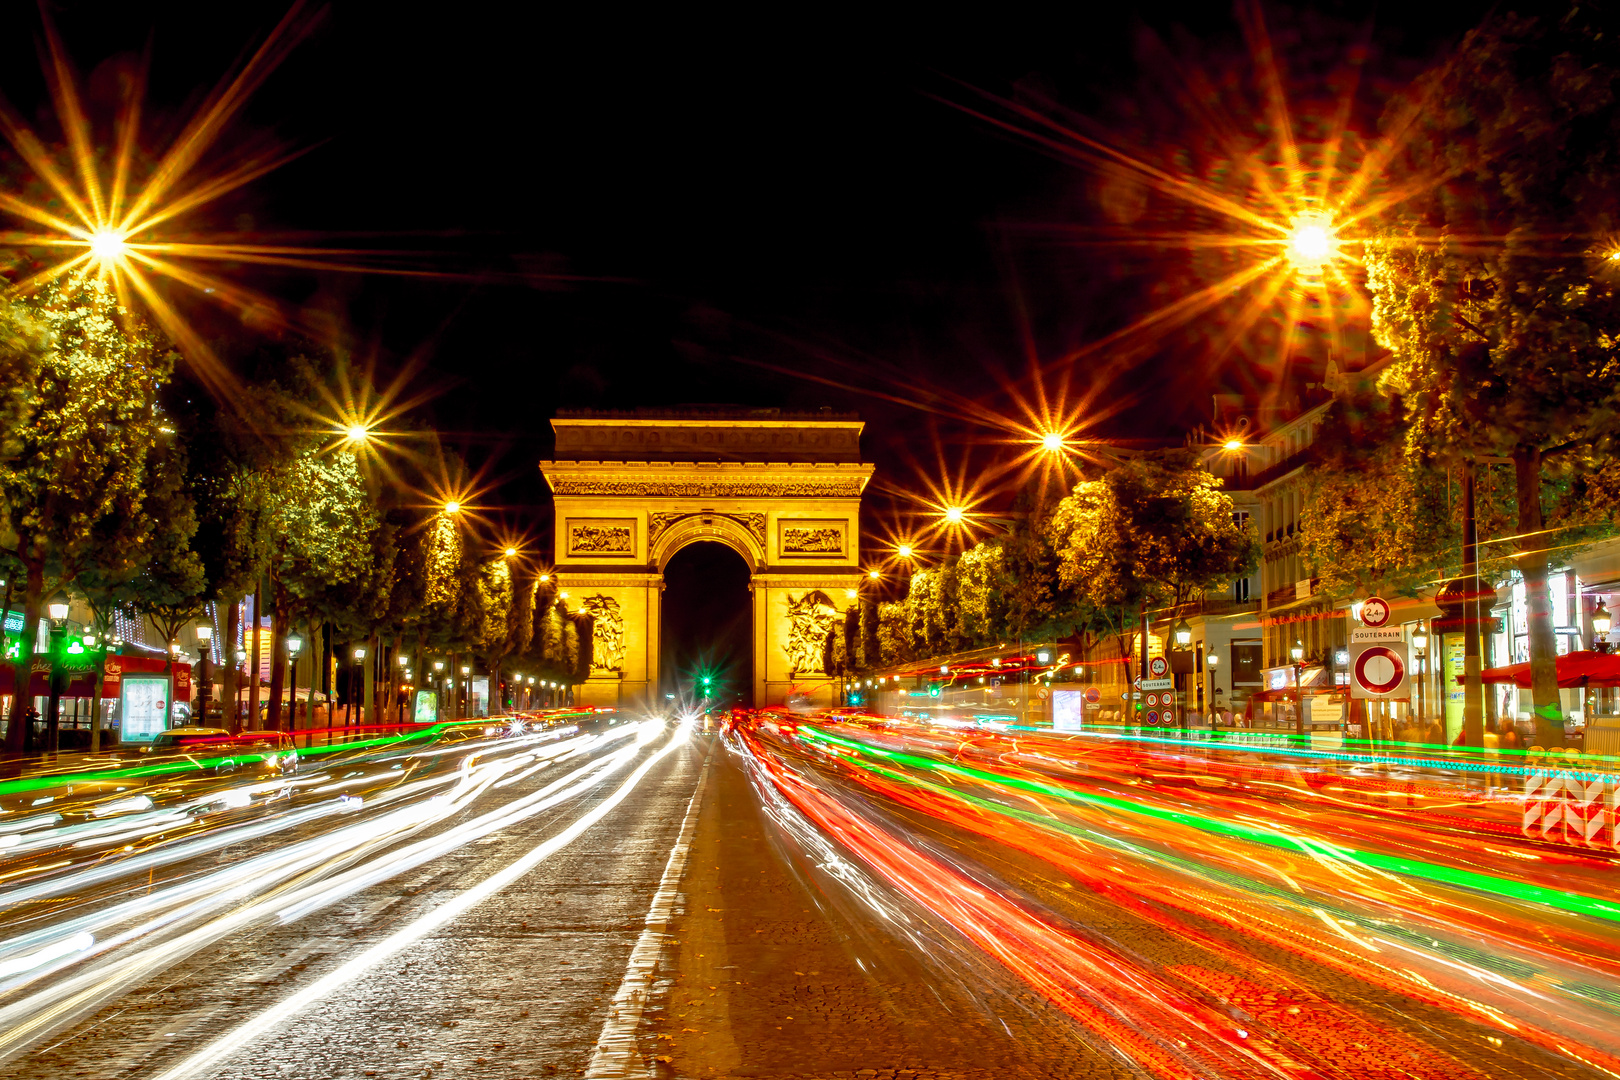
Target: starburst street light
452, 507
1311, 241
904, 551
1052, 441
108, 247
954, 514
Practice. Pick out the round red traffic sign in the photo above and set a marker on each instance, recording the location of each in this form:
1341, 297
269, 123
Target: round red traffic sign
1152, 700
1379, 670
1374, 611
1093, 695
1153, 718
1158, 666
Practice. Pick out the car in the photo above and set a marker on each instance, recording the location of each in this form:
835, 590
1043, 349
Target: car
276, 748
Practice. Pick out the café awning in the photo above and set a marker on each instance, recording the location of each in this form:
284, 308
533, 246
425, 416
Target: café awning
1576, 670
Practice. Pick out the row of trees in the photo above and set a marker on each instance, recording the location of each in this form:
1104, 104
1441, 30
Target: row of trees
1495, 284
121, 481
1153, 534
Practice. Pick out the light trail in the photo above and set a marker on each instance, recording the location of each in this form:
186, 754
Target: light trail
217, 1051
1274, 863
82, 954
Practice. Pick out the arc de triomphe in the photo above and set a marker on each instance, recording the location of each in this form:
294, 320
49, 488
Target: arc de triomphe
781, 489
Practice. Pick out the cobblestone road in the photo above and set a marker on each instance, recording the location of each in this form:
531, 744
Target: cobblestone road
518, 988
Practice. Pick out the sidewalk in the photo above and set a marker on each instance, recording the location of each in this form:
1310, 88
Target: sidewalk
767, 984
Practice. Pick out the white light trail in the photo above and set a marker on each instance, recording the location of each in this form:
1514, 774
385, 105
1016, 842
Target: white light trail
413, 932
216, 903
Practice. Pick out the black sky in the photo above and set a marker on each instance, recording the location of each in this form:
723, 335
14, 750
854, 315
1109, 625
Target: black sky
706, 206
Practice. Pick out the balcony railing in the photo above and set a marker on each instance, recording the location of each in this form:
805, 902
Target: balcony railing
1293, 594
1282, 468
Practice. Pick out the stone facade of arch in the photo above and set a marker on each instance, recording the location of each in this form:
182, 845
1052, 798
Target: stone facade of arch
783, 491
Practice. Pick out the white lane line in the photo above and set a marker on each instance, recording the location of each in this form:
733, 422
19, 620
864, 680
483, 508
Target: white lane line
615, 1055
227, 1044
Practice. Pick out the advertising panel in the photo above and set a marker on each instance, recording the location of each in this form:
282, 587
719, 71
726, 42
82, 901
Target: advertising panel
427, 707
1068, 710
143, 707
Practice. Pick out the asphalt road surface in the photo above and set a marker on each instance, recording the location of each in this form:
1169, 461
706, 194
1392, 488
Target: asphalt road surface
640, 900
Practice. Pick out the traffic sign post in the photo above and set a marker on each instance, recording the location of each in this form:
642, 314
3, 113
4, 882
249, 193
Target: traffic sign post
1374, 611
1379, 670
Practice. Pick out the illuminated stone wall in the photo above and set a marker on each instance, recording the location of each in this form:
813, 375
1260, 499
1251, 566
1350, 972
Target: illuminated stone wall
795, 522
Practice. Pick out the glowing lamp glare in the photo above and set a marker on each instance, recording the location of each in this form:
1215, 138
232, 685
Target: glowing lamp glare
108, 245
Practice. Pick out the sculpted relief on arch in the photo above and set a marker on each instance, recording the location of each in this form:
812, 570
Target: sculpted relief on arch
607, 632
658, 524
810, 619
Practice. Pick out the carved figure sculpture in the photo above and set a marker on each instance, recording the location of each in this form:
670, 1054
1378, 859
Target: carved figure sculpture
607, 632
810, 618
802, 541
600, 538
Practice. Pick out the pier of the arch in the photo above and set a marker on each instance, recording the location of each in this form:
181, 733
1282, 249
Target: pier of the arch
783, 491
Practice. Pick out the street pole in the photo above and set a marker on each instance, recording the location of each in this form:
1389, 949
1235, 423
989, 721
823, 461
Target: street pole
294, 643
1298, 654
1473, 688
53, 711
205, 636
58, 612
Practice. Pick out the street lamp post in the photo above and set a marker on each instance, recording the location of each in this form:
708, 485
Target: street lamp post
58, 611
1183, 636
464, 693
1212, 661
236, 699
438, 689
1601, 624
205, 638
359, 659
404, 666
1298, 655
1420, 645
294, 643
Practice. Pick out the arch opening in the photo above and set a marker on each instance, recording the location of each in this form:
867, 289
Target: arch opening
706, 626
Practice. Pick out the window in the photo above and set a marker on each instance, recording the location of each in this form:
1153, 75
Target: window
1240, 591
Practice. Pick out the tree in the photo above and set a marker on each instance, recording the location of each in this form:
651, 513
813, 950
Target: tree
78, 385
1502, 310
323, 555
1155, 530
1376, 516
495, 628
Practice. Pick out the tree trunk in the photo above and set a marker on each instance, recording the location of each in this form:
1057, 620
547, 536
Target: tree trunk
257, 661
278, 669
1532, 560
228, 675
33, 600
372, 657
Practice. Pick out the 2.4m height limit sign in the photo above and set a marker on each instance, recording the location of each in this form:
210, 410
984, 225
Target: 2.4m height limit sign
1378, 670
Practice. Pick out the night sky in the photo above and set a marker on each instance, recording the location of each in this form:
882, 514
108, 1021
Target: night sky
657, 209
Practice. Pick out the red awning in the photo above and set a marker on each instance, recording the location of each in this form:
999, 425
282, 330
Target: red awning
1575, 670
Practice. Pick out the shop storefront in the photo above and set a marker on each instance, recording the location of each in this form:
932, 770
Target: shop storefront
135, 702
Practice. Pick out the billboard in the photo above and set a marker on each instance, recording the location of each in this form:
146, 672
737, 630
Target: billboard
142, 707
1068, 710
427, 707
